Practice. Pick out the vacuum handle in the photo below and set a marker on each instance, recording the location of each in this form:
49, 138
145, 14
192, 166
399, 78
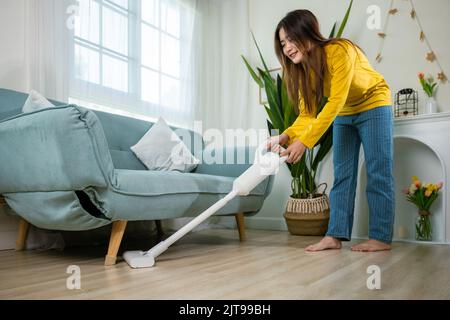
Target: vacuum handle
263, 147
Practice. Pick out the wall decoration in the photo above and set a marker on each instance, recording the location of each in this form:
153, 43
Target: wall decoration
431, 55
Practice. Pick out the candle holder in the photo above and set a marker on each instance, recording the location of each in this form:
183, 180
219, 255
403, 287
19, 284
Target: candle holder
406, 103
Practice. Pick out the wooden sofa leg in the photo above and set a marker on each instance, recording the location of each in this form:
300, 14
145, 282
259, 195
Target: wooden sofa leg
118, 228
21, 240
159, 230
240, 225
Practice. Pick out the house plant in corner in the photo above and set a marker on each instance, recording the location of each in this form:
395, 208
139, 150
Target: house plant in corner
307, 210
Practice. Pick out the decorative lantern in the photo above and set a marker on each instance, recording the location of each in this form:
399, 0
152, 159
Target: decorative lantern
406, 103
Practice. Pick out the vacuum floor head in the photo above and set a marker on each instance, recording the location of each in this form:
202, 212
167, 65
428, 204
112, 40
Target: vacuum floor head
139, 259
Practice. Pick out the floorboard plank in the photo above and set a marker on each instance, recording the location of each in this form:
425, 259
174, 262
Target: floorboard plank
213, 264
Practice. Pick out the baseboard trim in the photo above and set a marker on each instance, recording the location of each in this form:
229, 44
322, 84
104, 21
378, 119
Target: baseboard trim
8, 240
266, 223
228, 222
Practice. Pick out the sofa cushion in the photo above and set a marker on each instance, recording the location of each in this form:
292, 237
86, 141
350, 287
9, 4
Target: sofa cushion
144, 195
126, 160
153, 183
171, 206
161, 149
55, 149
58, 210
123, 132
36, 101
11, 103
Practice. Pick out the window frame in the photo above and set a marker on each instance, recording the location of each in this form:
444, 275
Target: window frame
130, 101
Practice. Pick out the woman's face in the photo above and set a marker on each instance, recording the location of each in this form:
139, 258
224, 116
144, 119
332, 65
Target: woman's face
289, 48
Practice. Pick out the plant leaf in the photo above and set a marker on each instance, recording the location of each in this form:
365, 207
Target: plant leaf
279, 98
287, 105
255, 77
324, 148
260, 54
270, 114
344, 21
270, 127
333, 31
272, 98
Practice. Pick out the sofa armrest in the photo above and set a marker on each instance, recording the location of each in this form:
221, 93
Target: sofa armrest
55, 149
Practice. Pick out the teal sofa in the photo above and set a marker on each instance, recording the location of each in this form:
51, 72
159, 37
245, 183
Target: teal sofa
71, 168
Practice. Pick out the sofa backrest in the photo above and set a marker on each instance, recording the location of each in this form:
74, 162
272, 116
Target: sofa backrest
121, 132
54, 149
11, 103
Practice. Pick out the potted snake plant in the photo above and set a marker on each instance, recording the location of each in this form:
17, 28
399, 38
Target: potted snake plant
307, 210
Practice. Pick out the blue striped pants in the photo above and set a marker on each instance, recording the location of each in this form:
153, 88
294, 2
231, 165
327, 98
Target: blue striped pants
374, 129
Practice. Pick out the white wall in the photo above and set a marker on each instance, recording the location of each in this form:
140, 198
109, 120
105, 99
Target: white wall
404, 56
12, 76
12, 44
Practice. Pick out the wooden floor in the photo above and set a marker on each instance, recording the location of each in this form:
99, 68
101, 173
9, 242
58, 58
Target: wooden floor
213, 264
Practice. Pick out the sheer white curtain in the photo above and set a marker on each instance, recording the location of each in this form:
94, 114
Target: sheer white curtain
179, 59
223, 92
137, 56
47, 45
187, 62
221, 96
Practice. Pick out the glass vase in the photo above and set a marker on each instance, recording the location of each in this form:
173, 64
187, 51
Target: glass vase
424, 231
430, 105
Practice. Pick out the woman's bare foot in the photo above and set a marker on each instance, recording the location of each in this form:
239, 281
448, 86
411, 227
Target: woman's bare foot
325, 244
371, 246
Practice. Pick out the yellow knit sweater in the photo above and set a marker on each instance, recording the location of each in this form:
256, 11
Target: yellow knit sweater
351, 85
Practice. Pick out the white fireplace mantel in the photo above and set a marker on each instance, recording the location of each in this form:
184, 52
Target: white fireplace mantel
423, 118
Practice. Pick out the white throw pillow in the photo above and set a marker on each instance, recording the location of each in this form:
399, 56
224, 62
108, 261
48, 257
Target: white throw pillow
35, 102
161, 149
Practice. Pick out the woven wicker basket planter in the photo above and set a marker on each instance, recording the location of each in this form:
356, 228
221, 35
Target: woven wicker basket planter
308, 217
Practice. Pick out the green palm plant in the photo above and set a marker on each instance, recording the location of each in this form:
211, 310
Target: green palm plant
281, 115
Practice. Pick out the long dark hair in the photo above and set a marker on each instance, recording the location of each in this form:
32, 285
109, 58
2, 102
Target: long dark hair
302, 28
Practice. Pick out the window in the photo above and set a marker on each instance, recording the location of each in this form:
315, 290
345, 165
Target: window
128, 53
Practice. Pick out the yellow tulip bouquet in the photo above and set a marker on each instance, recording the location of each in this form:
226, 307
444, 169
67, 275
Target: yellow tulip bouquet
423, 196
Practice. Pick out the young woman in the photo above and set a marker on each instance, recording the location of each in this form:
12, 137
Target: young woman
359, 105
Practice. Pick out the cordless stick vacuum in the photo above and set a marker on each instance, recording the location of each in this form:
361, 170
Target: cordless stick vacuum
265, 164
